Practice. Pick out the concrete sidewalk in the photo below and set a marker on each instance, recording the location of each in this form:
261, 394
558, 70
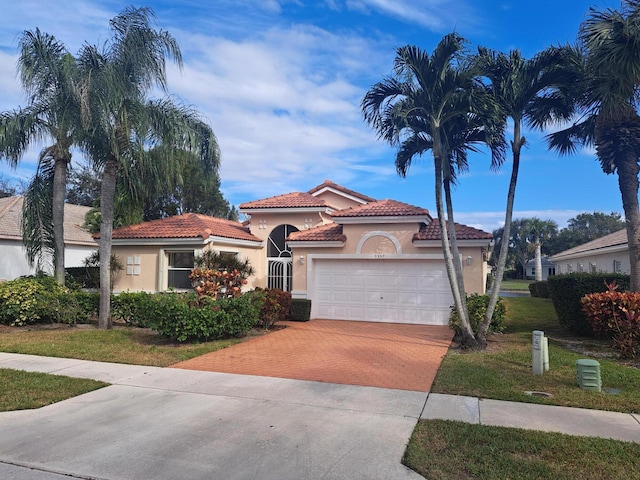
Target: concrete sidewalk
168, 423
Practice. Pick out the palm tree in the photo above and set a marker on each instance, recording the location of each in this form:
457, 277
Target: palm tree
434, 103
48, 73
608, 99
126, 124
538, 231
532, 94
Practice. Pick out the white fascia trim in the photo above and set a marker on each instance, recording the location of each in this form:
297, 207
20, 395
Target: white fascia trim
298, 294
315, 244
589, 253
251, 211
461, 243
234, 242
382, 219
159, 241
338, 192
373, 256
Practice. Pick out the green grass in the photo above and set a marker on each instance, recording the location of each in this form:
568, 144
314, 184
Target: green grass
441, 449
515, 285
119, 345
504, 371
20, 390
23, 390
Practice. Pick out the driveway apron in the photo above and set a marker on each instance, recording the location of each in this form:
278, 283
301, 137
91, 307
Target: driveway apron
395, 356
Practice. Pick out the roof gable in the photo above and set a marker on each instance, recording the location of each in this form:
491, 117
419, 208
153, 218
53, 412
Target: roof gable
382, 210
288, 200
190, 225
463, 232
329, 186
614, 239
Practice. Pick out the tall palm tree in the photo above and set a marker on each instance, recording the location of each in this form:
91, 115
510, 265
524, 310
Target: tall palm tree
126, 124
538, 231
608, 99
434, 103
48, 73
532, 93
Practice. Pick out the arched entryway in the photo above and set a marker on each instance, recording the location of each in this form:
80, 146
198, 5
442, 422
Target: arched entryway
279, 267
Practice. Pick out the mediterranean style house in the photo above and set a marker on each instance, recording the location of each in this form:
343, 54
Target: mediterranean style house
78, 242
354, 257
608, 254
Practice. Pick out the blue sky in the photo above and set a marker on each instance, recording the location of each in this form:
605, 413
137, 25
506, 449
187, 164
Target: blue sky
280, 82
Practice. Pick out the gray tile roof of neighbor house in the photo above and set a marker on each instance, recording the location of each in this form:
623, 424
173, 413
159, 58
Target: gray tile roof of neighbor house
614, 239
74, 233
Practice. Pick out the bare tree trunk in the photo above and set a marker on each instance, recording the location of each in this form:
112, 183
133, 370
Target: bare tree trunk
628, 182
59, 190
107, 194
516, 146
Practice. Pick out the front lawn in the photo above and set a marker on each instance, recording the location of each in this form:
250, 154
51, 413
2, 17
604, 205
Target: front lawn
441, 450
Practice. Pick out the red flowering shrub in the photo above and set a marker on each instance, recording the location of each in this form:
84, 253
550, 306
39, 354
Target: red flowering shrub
615, 314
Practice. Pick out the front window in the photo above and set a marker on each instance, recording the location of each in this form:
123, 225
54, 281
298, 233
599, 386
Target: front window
179, 269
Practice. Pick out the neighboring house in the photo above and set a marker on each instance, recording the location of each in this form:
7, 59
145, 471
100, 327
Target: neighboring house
355, 257
79, 243
548, 268
605, 254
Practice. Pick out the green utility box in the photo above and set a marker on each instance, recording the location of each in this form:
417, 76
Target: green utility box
588, 374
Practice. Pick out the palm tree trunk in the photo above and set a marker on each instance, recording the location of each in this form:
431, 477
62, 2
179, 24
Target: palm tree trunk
538, 253
468, 338
453, 240
59, 190
107, 194
628, 183
516, 146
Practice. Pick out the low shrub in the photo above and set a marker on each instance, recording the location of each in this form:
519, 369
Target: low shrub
539, 289
134, 308
300, 309
616, 315
189, 317
29, 300
276, 306
477, 306
567, 290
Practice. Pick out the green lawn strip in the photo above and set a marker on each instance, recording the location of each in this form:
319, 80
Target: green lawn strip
515, 285
20, 390
122, 345
441, 449
506, 374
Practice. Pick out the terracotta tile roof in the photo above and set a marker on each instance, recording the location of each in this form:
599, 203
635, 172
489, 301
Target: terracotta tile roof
611, 240
463, 232
335, 186
322, 233
11, 215
189, 225
382, 208
288, 200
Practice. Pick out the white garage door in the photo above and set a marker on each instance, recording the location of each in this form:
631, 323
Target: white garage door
396, 291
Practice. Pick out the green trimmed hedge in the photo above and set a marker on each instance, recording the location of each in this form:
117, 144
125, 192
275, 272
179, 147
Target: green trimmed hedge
477, 306
300, 309
566, 291
40, 299
187, 317
539, 289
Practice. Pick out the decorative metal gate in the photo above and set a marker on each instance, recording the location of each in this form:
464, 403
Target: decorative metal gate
279, 266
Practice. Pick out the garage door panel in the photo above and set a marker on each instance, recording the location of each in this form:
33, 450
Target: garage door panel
406, 291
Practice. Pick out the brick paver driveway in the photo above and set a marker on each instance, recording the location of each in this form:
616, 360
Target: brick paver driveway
386, 355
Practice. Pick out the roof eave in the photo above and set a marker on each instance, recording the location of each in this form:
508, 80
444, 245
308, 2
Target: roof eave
381, 219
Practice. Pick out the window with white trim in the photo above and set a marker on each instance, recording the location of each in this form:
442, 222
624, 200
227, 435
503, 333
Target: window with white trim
569, 268
179, 268
617, 266
593, 267
581, 267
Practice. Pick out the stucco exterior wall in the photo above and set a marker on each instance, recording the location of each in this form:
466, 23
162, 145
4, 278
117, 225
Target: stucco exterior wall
13, 260
262, 224
390, 241
603, 262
